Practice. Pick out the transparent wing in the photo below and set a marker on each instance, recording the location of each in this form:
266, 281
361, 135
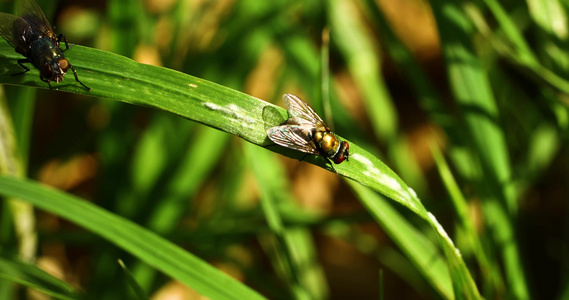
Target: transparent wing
296, 137
302, 113
7, 23
30, 11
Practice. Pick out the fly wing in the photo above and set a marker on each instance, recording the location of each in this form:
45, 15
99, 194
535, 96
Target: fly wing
296, 137
302, 113
30, 11
7, 23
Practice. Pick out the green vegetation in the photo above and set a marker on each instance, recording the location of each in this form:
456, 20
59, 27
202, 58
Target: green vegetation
162, 181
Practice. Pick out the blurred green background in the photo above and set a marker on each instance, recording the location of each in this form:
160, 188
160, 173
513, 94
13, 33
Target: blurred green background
467, 102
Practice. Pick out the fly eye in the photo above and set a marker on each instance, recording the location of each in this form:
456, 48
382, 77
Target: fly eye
340, 159
64, 64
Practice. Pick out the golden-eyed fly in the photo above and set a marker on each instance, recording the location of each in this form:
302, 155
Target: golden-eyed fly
32, 36
306, 132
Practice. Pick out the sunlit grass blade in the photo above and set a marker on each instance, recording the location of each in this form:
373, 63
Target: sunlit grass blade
119, 78
418, 249
463, 284
550, 16
491, 274
147, 246
115, 77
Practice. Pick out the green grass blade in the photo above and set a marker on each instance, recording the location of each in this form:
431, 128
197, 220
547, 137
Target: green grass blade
11, 164
22, 112
490, 271
119, 78
550, 16
136, 288
358, 47
147, 246
9, 155
414, 244
519, 52
36, 287
463, 284
473, 93
274, 192
183, 179
422, 84
207, 148
35, 278
511, 31
350, 34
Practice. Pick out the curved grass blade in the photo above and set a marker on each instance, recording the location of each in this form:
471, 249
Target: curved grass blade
149, 247
417, 248
35, 278
118, 78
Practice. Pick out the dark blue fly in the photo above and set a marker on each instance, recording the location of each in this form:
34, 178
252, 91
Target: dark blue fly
32, 36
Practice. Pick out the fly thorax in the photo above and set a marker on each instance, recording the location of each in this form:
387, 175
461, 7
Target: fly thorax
329, 143
47, 59
44, 51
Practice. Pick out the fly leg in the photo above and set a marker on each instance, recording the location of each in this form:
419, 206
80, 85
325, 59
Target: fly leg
21, 63
47, 81
77, 78
327, 162
60, 37
331, 165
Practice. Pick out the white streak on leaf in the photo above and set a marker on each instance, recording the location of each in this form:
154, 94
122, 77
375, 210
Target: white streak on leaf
442, 232
233, 114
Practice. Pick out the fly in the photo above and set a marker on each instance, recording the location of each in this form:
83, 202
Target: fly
306, 132
32, 36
